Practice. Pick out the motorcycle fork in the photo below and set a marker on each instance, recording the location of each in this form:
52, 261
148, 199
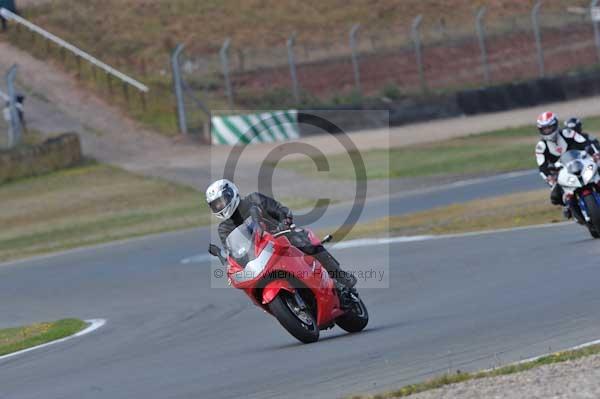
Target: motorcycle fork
573, 202
582, 208
299, 300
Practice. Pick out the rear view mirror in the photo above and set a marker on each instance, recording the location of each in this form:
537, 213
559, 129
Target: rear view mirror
214, 250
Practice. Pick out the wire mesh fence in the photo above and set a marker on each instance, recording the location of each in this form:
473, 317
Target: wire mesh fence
431, 54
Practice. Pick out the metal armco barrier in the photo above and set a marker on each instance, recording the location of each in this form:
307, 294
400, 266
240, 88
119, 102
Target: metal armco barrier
78, 52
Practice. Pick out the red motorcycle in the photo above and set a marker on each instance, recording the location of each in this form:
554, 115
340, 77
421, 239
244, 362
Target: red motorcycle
287, 283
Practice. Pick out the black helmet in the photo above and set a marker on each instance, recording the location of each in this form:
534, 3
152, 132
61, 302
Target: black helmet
573, 124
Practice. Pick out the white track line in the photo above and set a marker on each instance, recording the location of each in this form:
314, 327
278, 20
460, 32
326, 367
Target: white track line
94, 325
196, 259
364, 242
96, 247
126, 241
367, 242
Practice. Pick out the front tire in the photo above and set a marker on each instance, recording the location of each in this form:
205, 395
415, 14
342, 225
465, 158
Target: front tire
593, 232
593, 211
297, 321
356, 318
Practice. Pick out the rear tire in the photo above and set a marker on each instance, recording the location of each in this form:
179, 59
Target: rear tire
299, 322
356, 319
593, 232
593, 212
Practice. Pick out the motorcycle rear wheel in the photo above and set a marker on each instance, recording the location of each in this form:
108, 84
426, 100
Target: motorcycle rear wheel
356, 319
297, 321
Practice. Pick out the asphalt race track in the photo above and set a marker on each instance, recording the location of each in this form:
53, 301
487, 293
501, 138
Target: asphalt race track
464, 302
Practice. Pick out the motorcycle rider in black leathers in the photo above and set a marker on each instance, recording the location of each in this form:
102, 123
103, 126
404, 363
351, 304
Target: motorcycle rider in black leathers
574, 124
555, 142
225, 202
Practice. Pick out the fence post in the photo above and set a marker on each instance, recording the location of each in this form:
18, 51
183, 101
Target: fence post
481, 36
355, 65
225, 67
292, 61
15, 122
535, 11
178, 87
593, 7
416, 37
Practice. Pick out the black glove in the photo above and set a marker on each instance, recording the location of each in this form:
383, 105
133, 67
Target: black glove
258, 220
282, 226
256, 214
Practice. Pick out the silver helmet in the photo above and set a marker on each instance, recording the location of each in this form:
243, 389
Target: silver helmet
223, 198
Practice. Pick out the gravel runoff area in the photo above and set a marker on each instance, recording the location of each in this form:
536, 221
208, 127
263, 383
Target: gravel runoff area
573, 379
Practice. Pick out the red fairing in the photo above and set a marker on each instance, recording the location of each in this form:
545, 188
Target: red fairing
327, 298
314, 240
286, 263
272, 289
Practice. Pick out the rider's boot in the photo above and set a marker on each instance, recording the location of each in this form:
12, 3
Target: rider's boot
573, 211
344, 281
579, 217
567, 212
335, 271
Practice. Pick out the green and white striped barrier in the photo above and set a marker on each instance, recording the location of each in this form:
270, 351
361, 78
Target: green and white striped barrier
265, 127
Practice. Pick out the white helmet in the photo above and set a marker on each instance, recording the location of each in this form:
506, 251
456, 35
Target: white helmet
223, 198
547, 124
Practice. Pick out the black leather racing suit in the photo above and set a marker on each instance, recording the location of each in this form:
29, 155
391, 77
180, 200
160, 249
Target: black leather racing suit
548, 152
281, 214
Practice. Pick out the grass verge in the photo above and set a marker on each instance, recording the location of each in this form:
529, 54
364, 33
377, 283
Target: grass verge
19, 338
495, 152
91, 204
514, 210
448, 379
498, 151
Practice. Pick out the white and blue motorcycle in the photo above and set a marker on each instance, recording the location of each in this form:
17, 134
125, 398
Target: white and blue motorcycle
578, 176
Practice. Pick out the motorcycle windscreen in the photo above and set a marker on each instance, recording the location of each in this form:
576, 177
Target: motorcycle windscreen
240, 243
572, 155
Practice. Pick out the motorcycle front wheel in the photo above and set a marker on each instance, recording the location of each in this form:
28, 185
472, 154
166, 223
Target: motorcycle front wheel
297, 320
593, 232
593, 212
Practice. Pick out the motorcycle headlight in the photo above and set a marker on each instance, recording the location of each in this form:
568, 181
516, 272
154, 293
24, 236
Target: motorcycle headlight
256, 266
575, 167
588, 174
572, 181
